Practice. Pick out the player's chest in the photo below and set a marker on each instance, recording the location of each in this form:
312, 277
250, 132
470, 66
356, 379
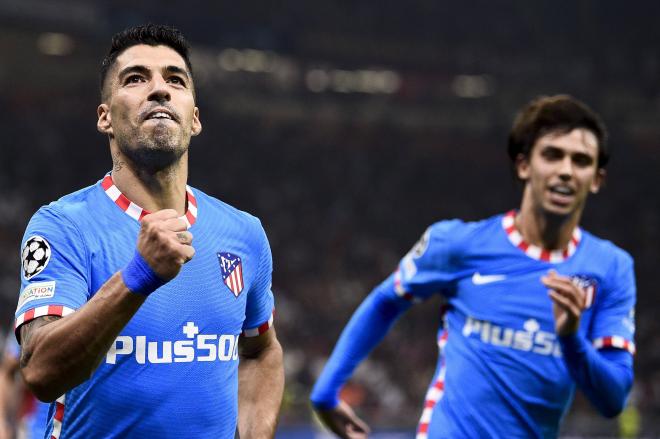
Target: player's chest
511, 290
215, 282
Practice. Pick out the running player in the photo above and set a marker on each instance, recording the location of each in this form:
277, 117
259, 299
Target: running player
130, 329
537, 305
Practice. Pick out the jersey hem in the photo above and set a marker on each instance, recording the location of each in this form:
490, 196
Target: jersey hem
616, 342
40, 311
254, 332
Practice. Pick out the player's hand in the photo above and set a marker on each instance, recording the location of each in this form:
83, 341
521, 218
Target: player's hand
343, 421
165, 243
568, 301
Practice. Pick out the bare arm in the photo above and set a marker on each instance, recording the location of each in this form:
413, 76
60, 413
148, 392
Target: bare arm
61, 353
260, 385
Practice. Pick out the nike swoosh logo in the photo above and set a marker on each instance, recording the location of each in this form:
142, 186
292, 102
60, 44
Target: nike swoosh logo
479, 279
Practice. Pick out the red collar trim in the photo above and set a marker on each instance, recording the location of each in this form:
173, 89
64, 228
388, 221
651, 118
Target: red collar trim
536, 252
135, 211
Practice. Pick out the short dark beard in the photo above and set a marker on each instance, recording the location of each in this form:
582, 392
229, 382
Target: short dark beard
152, 154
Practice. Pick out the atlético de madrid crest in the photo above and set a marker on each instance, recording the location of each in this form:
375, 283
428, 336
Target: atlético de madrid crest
589, 286
231, 267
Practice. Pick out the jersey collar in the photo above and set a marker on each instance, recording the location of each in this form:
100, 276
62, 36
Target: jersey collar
136, 212
536, 252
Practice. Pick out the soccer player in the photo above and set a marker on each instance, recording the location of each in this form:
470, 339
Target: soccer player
537, 305
130, 328
18, 408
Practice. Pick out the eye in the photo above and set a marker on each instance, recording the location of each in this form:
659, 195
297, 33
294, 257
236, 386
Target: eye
177, 80
552, 153
134, 79
582, 160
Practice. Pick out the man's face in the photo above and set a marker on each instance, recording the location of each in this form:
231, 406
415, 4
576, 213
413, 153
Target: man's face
560, 172
150, 108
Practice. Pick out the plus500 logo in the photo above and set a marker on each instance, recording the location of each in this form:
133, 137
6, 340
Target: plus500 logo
530, 339
198, 347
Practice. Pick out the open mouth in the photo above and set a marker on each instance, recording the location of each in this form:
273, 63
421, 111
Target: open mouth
161, 114
562, 190
561, 194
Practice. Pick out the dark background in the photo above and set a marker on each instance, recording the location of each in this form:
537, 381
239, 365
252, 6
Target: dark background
348, 127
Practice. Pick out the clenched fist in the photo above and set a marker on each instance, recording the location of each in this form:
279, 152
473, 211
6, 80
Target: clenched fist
165, 243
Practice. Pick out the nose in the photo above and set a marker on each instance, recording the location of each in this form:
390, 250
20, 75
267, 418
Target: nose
159, 91
566, 168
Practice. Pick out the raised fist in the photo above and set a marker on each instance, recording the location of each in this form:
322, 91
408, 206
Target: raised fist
165, 243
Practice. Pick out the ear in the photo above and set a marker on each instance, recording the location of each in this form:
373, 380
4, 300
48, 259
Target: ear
104, 122
599, 181
196, 123
522, 167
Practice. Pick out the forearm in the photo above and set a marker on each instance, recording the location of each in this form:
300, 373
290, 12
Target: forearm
260, 388
605, 377
364, 331
64, 353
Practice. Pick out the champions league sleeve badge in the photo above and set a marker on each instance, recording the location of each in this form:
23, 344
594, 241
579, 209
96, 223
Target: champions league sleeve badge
34, 256
231, 267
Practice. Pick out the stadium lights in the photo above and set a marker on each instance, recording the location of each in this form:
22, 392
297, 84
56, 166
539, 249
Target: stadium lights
353, 81
316, 80
55, 44
472, 86
249, 60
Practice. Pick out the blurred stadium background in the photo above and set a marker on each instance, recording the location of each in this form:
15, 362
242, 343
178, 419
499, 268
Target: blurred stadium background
348, 127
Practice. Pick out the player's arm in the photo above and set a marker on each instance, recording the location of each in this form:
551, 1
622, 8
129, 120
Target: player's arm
260, 385
425, 270
366, 328
605, 376
60, 353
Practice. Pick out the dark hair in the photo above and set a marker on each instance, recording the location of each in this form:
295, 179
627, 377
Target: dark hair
150, 34
560, 113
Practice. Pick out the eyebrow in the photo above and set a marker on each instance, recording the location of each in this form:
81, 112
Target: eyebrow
145, 70
550, 146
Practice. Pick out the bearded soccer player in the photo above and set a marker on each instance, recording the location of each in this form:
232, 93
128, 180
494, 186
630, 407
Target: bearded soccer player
537, 305
130, 328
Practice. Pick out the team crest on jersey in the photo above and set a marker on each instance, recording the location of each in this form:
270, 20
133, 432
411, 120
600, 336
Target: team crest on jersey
231, 267
589, 286
34, 256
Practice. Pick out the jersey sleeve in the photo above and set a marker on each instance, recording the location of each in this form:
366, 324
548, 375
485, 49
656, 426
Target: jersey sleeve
614, 316
427, 268
260, 300
54, 272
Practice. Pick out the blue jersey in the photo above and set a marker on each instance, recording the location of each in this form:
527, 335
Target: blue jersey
173, 370
501, 372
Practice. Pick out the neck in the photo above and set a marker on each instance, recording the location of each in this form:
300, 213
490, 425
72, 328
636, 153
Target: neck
152, 190
545, 230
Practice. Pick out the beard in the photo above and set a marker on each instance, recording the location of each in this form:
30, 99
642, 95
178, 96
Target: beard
154, 151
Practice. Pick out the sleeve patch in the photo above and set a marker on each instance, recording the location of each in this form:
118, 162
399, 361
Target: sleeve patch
34, 291
34, 256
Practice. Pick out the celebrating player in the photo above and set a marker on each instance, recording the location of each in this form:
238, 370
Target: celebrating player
537, 306
130, 329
